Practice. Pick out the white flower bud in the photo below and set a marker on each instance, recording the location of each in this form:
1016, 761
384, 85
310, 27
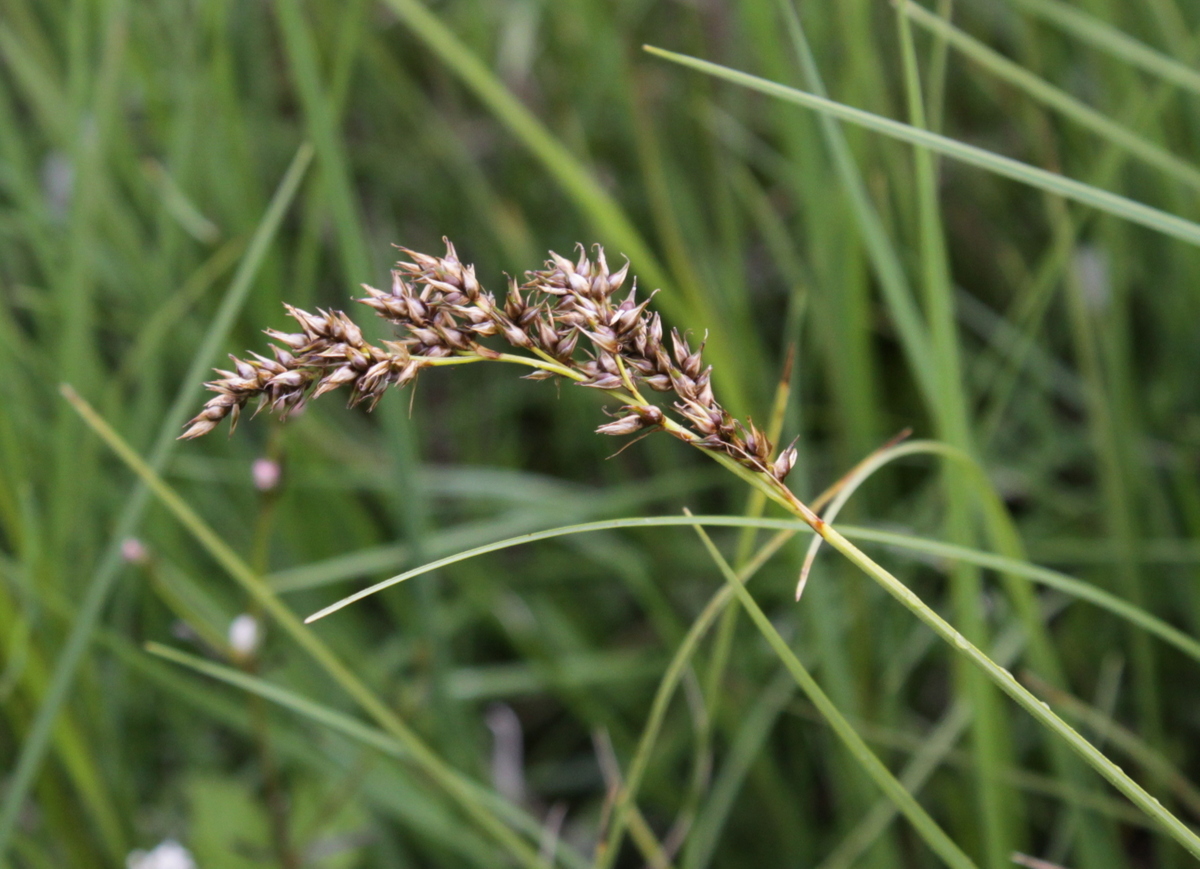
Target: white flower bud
169, 854
244, 635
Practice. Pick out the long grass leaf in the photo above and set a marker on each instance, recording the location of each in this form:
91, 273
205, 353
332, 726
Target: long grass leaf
347, 726
1040, 575
454, 784
671, 678
1117, 777
1051, 182
1060, 101
923, 763
885, 259
928, 829
1099, 34
991, 742
99, 587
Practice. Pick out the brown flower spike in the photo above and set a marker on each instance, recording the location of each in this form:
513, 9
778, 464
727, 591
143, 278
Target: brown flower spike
442, 313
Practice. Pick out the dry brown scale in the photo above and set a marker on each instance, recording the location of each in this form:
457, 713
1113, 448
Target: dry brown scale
443, 311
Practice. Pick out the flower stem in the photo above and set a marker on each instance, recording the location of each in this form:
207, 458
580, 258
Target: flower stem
779, 493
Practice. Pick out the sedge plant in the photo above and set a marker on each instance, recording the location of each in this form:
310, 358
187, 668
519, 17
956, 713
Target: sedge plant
568, 321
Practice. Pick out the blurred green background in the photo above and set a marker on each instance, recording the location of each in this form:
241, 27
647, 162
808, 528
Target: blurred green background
149, 223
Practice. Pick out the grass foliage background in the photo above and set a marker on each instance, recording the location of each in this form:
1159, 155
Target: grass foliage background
149, 218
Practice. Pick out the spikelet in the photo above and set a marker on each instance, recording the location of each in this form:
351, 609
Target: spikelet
571, 311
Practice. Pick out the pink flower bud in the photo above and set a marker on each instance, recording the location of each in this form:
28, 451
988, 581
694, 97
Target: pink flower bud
134, 551
266, 474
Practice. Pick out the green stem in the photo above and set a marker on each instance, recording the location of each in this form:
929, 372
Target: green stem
1179, 831
933, 835
607, 852
423, 757
779, 493
37, 738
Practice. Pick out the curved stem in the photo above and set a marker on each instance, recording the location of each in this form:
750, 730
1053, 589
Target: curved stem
1179, 831
628, 381
546, 356
467, 357
606, 851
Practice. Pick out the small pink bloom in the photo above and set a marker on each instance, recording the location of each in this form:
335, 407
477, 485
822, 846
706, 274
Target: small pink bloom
134, 551
266, 473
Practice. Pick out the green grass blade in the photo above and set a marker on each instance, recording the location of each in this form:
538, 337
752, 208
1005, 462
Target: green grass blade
926, 827
605, 213
923, 763
1125, 740
1107, 38
885, 259
34, 746
347, 726
1040, 575
991, 741
330, 151
1047, 94
455, 785
1068, 188
1112, 424
1167, 821
666, 690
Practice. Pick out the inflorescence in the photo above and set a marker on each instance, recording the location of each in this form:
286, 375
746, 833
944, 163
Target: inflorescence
443, 313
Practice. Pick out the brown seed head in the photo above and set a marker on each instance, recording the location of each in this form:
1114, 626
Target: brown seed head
442, 310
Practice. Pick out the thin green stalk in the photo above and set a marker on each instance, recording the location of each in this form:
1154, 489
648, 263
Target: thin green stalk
885, 259
1175, 828
1068, 188
108, 570
1001, 677
1133, 745
1113, 41
926, 827
1045, 93
923, 763
755, 505
578, 182
949, 551
607, 853
935, 97
1110, 437
453, 783
991, 741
